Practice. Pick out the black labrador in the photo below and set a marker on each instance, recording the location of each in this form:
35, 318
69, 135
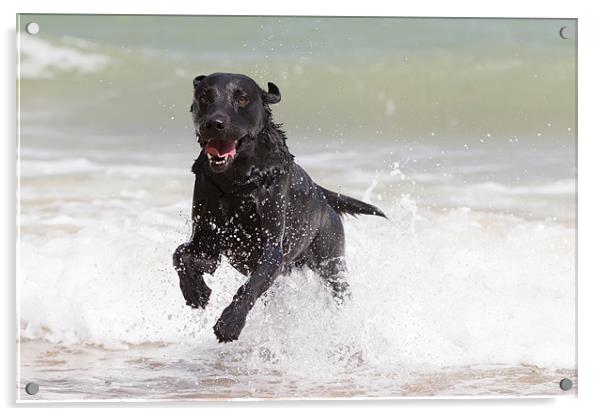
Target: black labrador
253, 204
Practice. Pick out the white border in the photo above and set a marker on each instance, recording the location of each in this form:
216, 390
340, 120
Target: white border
590, 209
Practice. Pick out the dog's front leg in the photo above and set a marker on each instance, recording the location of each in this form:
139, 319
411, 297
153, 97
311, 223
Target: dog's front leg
191, 264
194, 259
233, 318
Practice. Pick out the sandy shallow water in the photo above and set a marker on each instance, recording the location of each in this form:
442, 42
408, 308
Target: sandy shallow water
168, 372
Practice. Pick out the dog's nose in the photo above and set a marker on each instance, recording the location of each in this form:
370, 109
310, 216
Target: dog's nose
215, 123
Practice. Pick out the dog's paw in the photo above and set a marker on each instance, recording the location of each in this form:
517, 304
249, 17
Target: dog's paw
196, 295
341, 294
229, 326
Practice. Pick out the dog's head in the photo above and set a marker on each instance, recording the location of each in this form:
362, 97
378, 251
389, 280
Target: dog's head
229, 110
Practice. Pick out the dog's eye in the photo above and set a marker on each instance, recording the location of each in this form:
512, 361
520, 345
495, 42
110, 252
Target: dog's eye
204, 98
242, 101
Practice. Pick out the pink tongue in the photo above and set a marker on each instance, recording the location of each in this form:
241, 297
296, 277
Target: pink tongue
221, 148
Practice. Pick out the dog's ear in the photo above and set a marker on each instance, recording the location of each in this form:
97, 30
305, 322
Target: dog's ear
273, 94
197, 80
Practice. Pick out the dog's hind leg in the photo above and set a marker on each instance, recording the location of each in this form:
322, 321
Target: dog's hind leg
328, 250
191, 264
333, 271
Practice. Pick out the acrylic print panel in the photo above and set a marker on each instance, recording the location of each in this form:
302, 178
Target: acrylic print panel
462, 131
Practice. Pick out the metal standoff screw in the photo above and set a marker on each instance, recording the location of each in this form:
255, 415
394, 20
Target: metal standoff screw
32, 388
32, 28
566, 384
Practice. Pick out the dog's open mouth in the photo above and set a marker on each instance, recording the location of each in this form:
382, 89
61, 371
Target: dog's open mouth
220, 152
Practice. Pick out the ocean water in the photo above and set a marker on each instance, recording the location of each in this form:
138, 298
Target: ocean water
462, 131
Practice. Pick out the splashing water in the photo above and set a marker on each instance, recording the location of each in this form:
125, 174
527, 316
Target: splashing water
431, 291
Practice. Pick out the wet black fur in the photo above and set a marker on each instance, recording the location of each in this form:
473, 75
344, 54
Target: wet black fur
264, 212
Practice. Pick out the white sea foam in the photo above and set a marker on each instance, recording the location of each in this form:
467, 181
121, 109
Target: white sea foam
560, 187
455, 288
35, 168
40, 167
42, 59
431, 288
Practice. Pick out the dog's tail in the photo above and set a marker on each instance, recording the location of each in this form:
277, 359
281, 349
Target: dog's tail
343, 204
